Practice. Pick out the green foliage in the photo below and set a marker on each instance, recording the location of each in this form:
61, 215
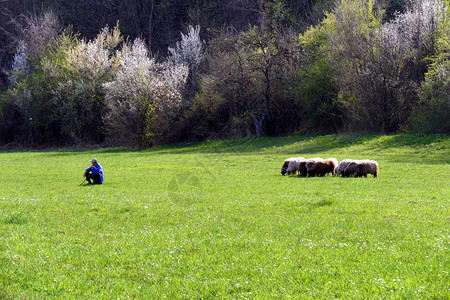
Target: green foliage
251, 75
365, 66
318, 90
339, 52
318, 97
63, 95
432, 113
217, 220
314, 41
150, 117
352, 32
375, 68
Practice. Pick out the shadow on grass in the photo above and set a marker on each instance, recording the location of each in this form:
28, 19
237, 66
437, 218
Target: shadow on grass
327, 143
414, 141
87, 185
15, 219
292, 145
234, 146
283, 145
373, 142
321, 203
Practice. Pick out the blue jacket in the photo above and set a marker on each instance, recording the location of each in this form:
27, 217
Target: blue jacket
97, 169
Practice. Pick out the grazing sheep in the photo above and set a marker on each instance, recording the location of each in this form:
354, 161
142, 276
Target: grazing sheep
335, 162
350, 169
367, 167
285, 165
302, 168
323, 167
342, 165
360, 168
294, 165
310, 166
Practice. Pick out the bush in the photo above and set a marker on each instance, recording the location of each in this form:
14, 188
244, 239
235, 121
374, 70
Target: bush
248, 86
432, 113
143, 97
379, 67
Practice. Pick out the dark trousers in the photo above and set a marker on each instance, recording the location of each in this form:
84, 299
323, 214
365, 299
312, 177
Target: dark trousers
95, 179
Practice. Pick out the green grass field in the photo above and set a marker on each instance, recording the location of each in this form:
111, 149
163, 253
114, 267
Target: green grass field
217, 220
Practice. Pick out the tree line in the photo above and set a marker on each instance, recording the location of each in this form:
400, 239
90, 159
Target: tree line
140, 73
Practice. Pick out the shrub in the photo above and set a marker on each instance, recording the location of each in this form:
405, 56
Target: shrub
19, 65
143, 96
432, 113
189, 51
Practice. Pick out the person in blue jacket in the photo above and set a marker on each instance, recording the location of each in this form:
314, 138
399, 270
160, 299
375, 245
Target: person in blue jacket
94, 172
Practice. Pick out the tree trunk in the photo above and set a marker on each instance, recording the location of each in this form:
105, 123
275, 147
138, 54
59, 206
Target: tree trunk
150, 26
258, 120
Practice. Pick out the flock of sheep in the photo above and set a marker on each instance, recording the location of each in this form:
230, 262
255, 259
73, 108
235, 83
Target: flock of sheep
320, 167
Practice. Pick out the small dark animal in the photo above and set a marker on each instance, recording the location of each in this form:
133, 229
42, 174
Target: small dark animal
323, 167
310, 166
302, 168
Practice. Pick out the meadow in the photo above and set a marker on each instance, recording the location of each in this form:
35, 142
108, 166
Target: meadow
217, 220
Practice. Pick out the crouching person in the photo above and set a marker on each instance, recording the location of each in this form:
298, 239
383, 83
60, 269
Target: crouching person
94, 173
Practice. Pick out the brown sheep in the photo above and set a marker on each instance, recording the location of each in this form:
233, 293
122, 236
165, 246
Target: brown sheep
310, 165
323, 167
302, 168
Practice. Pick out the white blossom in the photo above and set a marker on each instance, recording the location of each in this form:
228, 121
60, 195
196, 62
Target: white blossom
142, 85
415, 27
190, 50
19, 64
90, 60
141, 76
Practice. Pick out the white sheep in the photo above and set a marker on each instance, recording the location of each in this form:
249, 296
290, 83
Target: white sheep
286, 165
342, 165
294, 165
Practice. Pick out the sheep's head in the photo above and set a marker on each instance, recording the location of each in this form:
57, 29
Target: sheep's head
284, 167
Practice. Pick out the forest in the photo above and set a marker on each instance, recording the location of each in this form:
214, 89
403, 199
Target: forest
140, 73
